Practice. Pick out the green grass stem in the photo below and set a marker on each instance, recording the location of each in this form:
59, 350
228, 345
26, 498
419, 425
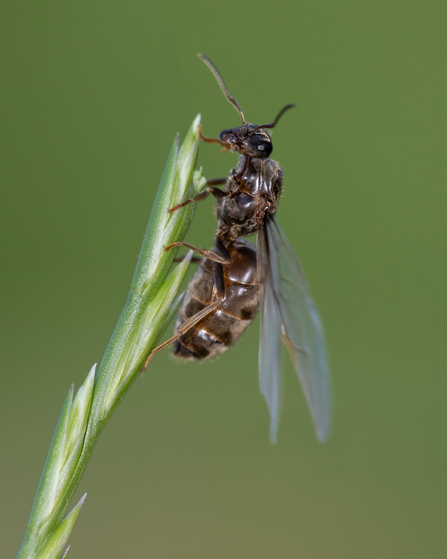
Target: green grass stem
149, 306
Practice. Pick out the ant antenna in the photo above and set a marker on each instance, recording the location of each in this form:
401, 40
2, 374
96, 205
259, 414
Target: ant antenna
274, 123
223, 87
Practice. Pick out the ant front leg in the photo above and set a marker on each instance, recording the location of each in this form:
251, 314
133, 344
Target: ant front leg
210, 189
219, 282
213, 140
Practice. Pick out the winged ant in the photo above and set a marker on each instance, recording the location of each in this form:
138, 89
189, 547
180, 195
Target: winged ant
235, 278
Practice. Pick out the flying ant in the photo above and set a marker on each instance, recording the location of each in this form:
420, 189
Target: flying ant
236, 278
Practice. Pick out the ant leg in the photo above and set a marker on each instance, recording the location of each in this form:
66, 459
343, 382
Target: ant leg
210, 254
211, 140
216, 192
218, 277
222, 249
187, 325
219, 280
220, 180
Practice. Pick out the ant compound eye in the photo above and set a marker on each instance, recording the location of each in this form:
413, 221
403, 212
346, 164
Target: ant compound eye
263, 149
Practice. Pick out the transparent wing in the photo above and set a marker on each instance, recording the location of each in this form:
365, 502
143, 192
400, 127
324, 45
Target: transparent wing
270, 373
297, 321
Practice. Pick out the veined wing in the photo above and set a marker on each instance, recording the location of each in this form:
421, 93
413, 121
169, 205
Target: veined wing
297, 321
270, 372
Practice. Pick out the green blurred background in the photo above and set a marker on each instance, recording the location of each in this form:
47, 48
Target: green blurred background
92, 96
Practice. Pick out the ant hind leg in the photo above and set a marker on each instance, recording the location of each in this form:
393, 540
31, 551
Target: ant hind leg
218, 277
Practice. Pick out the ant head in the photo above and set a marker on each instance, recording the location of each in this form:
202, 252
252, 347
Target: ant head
249, 139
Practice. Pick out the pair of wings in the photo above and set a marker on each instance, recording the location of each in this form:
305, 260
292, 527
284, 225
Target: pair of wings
288, 313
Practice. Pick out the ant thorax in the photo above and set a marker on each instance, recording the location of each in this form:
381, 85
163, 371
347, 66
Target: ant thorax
254, 188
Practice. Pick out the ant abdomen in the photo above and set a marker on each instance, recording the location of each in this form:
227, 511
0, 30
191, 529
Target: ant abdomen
223, 327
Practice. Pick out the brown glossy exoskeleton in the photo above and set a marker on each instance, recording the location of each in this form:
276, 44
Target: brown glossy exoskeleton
235, 279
